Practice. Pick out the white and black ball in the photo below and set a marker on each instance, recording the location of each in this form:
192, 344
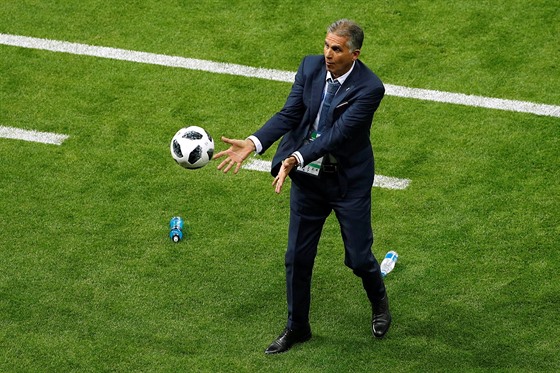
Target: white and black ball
192, 147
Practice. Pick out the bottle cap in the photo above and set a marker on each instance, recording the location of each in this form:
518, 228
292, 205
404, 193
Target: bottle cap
392, 254
176, 235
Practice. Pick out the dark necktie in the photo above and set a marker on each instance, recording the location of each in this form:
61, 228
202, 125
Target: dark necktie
332, 87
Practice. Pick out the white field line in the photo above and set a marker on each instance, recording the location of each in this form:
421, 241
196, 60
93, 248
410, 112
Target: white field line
34, 136
270, 74
380, 181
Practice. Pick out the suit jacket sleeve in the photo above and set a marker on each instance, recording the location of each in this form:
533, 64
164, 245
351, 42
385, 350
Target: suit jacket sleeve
288, 118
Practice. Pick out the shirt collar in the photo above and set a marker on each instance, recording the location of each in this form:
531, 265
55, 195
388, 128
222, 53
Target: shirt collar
341, 78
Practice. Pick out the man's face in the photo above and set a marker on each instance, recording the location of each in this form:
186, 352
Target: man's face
338, 57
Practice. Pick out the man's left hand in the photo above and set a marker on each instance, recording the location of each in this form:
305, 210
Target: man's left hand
287, 165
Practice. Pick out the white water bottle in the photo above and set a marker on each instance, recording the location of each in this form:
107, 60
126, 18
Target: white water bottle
388, 262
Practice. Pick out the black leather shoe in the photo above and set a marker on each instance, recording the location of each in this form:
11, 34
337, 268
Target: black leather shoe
287, 339
381, 317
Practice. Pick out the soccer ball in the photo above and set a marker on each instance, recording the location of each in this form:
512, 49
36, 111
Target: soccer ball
192, 147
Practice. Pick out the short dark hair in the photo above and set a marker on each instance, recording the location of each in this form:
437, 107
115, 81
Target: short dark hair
350, 29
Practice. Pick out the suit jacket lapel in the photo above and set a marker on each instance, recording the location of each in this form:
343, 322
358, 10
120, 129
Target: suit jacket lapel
341, 95
345, 88
319, 86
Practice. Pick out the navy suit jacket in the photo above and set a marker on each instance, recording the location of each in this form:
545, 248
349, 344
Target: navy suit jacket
347, 131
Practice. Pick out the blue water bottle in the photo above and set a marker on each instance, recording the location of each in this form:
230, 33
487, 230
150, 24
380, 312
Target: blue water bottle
176, 229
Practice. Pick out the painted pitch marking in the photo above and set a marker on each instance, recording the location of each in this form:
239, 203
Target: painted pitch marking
34, 136
380, 181
270, 74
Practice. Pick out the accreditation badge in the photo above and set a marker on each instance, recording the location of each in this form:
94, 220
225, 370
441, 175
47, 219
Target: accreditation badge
313, 168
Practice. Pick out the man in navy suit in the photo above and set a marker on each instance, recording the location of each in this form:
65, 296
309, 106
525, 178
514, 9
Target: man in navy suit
326, 151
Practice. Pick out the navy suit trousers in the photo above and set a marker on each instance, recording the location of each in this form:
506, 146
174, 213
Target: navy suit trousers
312, 199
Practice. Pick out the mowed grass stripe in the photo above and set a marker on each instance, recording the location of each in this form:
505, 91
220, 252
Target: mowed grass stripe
270, 74
386, 182
381, 181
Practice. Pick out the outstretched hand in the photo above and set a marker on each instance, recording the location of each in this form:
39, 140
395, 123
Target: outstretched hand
238, 151
287, 165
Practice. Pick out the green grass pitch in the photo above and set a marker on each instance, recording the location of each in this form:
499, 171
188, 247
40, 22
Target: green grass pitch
89, 280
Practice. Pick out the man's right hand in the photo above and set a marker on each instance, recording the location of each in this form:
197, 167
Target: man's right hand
238, 151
